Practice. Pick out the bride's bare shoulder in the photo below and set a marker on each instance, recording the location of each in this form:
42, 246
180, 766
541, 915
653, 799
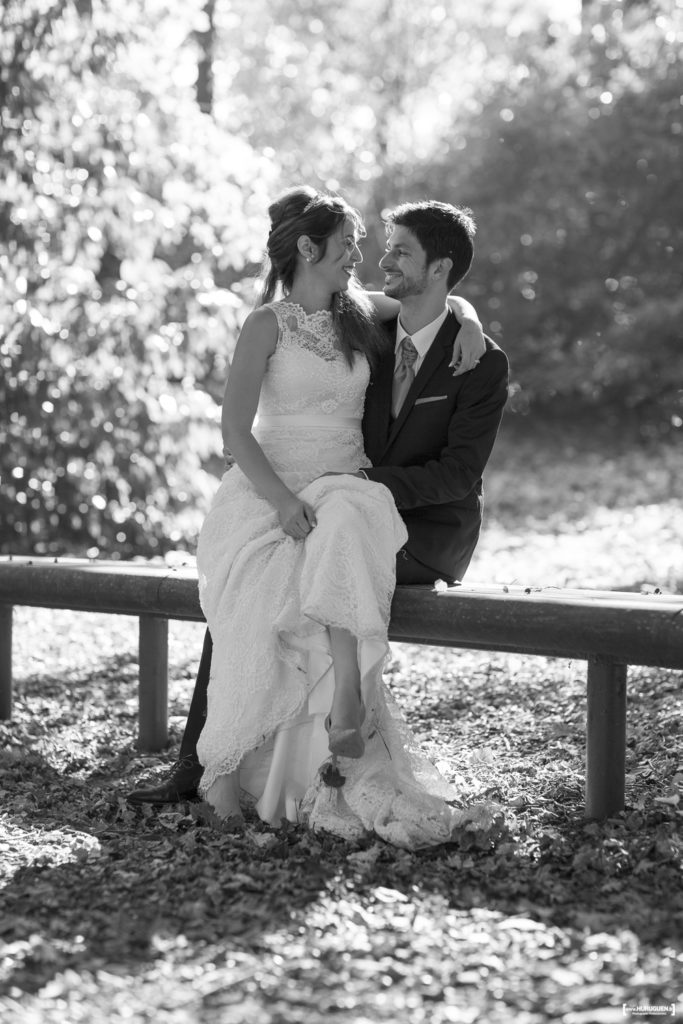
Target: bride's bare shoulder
263, 317
260, 328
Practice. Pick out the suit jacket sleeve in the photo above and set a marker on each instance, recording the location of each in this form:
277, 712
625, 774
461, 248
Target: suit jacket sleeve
453, 474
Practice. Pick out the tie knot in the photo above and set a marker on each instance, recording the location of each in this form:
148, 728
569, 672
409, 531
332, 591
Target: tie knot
408, 351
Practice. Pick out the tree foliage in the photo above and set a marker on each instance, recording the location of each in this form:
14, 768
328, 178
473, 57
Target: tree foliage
122, 208
140, 143
578, 180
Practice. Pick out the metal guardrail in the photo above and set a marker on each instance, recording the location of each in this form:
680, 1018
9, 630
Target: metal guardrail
610, 630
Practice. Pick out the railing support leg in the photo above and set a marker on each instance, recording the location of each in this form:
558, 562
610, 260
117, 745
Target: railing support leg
153, 686
605, 737
5, 662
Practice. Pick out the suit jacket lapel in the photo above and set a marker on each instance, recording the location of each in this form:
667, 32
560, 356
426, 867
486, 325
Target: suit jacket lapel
439, 355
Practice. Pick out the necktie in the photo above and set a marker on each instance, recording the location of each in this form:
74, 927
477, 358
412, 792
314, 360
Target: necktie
404, 375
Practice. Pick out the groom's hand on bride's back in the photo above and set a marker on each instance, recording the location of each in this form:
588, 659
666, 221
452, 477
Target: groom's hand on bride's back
360, 474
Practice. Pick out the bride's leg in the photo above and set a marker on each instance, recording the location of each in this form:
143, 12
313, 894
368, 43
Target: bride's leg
345, 712
224, 796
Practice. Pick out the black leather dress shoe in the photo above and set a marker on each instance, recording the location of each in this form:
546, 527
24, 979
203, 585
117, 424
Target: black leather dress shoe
181, 784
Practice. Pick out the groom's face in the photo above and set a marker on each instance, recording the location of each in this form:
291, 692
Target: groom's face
404, 264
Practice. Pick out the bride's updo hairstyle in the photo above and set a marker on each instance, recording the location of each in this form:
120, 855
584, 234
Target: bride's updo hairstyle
303, 211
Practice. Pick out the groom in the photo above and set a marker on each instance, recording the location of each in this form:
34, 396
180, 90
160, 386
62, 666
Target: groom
427, 432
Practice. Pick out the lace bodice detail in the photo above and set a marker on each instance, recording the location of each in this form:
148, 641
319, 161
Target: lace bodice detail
314, 332
307, 373
307, 376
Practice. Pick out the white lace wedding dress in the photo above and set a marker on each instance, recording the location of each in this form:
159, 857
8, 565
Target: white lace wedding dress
268, 600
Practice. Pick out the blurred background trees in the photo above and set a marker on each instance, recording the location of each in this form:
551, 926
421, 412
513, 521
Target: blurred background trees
140, 143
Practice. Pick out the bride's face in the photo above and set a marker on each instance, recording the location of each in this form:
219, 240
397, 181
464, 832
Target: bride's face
341, 256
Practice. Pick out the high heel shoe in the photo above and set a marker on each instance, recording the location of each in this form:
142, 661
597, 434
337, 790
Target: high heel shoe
346, 742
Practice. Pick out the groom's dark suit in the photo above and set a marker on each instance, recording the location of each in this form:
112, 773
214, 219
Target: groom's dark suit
432, 456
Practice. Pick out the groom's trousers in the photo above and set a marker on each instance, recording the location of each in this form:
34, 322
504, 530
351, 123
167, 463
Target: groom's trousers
408, 571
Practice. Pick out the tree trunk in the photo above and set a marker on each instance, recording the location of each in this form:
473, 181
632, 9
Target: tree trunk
207, 41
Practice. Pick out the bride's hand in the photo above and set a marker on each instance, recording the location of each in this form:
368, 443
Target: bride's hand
297, 518
469, 344
468, 348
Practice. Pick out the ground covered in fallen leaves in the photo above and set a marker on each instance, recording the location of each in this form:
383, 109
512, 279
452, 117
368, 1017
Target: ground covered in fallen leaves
109, 913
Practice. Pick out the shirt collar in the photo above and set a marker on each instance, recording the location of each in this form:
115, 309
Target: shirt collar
423, 338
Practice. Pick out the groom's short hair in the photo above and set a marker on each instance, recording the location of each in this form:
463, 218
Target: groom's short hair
442, 230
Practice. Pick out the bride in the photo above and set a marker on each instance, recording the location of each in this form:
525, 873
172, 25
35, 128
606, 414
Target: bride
297, 560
